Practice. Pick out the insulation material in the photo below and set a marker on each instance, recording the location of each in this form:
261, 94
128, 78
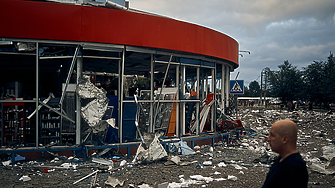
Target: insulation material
25, 46
185, 150
101, 126
111, 122
87, 90
93, 111
156, 150
141, 154
148, 138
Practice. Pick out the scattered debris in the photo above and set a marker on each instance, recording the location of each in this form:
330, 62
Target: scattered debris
6, 163
246, 156
102, 161
25, 178
123, 162
233, 178
222, 164
207, 163
201, 178
144, 186
155, 152
86, 177
185, 150
112, 181
175, 159
321, 169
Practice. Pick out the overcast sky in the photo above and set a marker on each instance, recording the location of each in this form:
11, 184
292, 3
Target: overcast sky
300, 31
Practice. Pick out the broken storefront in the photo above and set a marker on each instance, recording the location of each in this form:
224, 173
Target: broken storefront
173, 100
109, 90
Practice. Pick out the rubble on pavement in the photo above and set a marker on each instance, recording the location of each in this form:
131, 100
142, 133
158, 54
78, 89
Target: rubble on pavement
239, 163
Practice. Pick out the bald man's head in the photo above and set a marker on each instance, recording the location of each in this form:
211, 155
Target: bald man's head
283, 138
288, 128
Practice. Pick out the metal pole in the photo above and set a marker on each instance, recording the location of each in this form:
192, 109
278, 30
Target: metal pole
59, 113
203, 85
265, 80
78, 103
183, 85
222, 89
206, 85
37, 91
69, 73
198, 103
261, 90
214, 98
121, 72
160, 93
152, 87
178, 98
227, 85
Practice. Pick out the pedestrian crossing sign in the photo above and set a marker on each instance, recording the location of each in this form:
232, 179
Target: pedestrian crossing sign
236, 86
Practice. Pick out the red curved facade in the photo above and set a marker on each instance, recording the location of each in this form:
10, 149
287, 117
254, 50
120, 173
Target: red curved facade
54, 21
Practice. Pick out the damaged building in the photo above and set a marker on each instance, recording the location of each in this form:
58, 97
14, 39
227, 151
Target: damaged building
100, 73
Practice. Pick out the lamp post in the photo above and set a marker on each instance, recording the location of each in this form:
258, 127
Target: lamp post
243, 51
264, 73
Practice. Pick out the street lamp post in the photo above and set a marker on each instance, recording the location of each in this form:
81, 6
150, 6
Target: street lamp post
264, 73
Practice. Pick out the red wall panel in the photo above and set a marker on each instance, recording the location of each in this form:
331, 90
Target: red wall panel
53, 21
39, 20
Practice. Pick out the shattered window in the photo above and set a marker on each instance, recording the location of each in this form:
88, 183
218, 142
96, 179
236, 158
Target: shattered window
165, 92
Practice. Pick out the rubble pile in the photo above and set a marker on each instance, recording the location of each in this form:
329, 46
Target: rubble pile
243, 162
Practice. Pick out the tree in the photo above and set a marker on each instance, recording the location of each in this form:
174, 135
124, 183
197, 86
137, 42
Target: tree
286, 83
254, 88
246, 91
313, 75
328, 81
319, 81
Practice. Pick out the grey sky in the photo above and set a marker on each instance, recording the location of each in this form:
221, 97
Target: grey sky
299, 31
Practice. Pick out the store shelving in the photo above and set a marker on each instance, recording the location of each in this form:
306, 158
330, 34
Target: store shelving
50, 124
13, 122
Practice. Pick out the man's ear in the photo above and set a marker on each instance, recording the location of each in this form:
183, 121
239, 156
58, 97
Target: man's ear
285, 139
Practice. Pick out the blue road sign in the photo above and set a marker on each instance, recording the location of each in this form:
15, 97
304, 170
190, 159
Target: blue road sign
236, 86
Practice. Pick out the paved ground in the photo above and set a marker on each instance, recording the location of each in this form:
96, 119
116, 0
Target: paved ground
235, 165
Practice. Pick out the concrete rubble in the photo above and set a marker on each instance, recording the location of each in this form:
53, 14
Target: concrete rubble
239, 163
112, 181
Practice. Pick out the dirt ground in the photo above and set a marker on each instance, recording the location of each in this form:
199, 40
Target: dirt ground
243, 163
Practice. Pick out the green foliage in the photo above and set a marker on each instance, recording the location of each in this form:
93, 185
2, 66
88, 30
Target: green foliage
254, 89
246, 91
287, 82
319, 81
315, 83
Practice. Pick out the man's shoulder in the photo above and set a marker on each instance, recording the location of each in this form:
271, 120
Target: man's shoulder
294, 160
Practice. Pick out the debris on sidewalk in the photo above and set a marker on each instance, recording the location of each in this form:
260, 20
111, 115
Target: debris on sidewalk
155, 152
86, 177
321, 169
175, 159
102, 161
232, 178
185, 150
25, 178
112, 181
244, 160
